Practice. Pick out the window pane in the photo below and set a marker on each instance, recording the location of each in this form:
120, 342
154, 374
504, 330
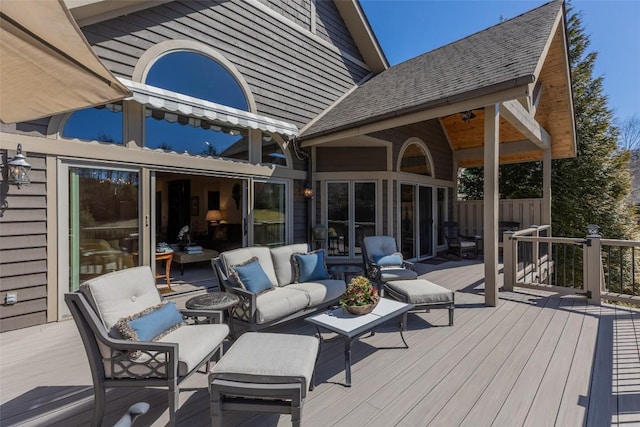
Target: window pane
365, 212
269, 214
272, 152
185, 138
102, 124
104, 226
199, 76
338, 218
414, 160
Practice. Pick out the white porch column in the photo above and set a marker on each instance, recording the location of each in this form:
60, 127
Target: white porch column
490, 225
546, 187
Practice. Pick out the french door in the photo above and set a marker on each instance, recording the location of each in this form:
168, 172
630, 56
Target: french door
416, 221
351, 215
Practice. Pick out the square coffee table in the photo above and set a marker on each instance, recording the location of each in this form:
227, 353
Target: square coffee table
351, 326
183, 258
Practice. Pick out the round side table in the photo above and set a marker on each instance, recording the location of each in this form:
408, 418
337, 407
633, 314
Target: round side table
345, 272
215, 301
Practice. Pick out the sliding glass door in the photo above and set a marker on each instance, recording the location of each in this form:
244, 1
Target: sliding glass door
416, 221
269, 213
103, 221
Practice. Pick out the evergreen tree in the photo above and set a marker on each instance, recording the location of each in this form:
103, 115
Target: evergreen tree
591, 188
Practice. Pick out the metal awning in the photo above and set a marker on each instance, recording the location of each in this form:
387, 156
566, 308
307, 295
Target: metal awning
176, 104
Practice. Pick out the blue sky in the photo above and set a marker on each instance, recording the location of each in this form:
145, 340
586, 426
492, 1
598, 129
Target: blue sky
407, 28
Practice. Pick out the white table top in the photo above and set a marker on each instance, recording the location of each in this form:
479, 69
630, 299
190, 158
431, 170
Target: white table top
344, 323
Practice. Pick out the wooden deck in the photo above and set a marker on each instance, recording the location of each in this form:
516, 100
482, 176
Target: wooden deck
537, 359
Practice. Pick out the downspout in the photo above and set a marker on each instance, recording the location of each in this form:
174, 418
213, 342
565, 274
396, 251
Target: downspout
302, 155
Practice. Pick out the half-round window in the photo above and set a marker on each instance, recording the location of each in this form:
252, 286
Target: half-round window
198, 76
102, 124
416, 160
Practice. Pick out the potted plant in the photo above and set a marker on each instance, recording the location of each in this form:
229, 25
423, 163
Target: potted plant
361, 297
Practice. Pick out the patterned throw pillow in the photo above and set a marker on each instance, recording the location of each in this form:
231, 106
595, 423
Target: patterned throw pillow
310, 266
251, 276
150, 324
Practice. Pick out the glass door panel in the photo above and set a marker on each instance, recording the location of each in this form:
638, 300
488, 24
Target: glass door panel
338, 217
425, 207
407, 220
104, 222
441, 214
269, 214
365, 213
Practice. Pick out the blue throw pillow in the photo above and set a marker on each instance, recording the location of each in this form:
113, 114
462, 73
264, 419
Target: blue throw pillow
310, 267
151, 324
252, 277
392, 260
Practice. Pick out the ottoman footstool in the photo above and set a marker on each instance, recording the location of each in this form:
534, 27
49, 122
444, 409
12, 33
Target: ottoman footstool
421, 293
264, 372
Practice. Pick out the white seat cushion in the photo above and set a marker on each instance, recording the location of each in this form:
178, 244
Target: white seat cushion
390, 274
278, 303
266, 358
421, 291
321, 290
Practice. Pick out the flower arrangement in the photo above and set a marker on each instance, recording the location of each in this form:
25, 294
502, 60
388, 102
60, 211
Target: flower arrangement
360, 293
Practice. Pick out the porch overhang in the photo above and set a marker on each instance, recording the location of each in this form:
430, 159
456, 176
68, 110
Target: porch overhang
199, 110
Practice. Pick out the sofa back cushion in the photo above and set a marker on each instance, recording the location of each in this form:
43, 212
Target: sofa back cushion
282, 262
121, 294
242, 255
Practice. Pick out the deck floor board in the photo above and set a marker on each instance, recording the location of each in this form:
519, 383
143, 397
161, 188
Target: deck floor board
536, 359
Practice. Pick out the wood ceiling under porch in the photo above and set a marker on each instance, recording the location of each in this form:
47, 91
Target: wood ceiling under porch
536, 359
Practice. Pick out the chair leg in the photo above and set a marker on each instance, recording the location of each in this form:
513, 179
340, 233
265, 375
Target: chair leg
174, 401
98, 411
216, 408
451, 316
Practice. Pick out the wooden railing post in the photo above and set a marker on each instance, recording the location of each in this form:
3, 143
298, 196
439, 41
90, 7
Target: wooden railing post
509, 260
535, 253
592, 268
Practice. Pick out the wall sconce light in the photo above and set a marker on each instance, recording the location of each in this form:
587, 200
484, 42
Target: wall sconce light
214, 217
467, 115
307, 191
19, 169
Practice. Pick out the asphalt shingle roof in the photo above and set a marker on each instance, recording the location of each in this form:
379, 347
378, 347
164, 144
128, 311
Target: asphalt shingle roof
505, 52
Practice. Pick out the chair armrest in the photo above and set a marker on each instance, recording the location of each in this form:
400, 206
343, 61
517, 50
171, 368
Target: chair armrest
409, 265
246, 298
214, 316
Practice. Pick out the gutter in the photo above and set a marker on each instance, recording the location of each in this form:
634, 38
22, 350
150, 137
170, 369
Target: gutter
450, 100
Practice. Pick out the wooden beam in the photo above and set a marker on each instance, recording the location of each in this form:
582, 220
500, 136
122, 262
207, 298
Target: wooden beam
490, 221
506, 148
546, 188
520, 118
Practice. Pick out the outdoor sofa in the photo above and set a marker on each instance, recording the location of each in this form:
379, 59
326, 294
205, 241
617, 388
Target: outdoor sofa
277, 284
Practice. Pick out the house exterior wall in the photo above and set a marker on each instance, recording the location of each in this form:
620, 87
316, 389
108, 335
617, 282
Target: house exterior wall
23, 248
293, 74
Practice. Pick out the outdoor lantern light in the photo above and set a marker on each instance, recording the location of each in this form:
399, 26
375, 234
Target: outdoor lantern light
592, 229
214, 217
19, 169
307, 191
467, 115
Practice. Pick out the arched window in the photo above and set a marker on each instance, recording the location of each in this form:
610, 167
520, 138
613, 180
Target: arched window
415, 158
198, 76
102, 124
272, 152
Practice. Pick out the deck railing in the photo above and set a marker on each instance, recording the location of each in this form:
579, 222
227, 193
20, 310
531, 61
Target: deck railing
599, 268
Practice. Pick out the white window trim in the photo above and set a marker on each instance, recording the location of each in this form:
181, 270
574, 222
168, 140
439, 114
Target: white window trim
421, 144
